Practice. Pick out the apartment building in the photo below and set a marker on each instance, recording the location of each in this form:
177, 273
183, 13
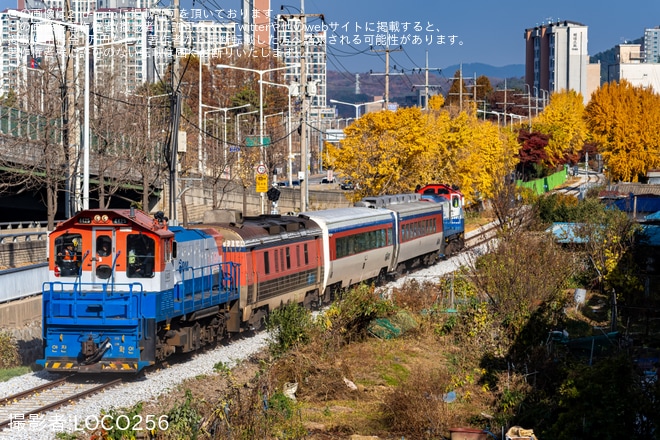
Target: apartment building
133, 43
130, 45
651, 52
633, 67
557, 58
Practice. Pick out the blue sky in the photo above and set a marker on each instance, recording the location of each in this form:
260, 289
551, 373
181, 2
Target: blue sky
484, 31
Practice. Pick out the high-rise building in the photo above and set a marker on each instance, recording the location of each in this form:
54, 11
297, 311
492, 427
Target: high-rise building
651, 48
256, 23
557, 58
130, 45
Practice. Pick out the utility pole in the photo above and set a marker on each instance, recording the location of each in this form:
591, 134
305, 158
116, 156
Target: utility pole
387, 74
426, 84
305, 92
176, 20
505, 104
71, 180
460, 87
175, 111
474, 95
304, 165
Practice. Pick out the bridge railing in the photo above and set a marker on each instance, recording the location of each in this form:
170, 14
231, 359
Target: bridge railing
23, 236
27, 224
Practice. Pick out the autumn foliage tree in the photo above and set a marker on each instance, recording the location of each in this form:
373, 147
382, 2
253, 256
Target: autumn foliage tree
383, 152
392, 152
624, 120
564, 123
532, 154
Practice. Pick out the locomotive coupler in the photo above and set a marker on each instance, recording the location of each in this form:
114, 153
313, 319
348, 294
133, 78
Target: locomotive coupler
92, 351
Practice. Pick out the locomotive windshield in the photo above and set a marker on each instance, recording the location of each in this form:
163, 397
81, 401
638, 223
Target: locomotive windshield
140, 256
67, 254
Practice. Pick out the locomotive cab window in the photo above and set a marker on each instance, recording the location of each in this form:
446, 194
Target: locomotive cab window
140, 256
103, 246
68, 251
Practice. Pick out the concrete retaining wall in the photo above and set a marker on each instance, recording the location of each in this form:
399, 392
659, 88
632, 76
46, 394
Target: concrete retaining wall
15, 254
22, 320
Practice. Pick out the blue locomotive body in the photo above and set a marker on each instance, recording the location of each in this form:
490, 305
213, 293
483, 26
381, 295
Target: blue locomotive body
134, 292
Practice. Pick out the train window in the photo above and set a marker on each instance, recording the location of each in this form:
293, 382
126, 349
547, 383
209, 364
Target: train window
298, 255
305, 251
103, 246
68, 251
282, 259
288, 258
140, 256
266, 263
455, 202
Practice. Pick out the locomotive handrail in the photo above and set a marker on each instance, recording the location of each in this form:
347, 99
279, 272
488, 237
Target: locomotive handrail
114, 265
205, 296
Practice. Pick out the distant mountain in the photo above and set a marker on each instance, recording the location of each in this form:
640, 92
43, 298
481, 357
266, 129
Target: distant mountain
404, 88
478, 69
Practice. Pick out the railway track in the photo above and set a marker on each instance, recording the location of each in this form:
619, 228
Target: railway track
22, 407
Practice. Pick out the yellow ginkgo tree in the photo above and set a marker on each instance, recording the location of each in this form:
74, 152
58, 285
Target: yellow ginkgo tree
393, 152
563, 121
384, 152
624, 122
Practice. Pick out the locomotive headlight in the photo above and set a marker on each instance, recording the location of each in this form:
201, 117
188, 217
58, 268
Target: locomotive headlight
97, 218
104, 218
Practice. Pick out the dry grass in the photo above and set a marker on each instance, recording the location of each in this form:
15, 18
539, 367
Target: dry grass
390, 388
372, 387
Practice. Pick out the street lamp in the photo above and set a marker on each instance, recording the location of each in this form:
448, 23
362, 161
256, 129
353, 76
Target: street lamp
261, 94
544, 96
357, 106
238, 125
224, 110
288, 128
85, 140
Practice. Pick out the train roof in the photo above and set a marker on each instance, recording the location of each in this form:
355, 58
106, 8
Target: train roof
388, 200
438, 188
348, 217
116, 217
265, 228
422, 206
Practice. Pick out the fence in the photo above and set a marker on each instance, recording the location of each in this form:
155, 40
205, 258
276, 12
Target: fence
545, 184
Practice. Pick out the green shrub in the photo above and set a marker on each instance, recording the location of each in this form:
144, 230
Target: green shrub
290, 325
184, 420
